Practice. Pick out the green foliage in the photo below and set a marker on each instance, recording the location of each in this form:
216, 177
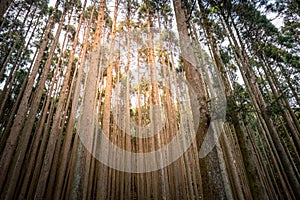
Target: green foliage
11, 42
152, 9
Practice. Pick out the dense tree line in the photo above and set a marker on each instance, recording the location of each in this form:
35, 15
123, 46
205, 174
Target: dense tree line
55, 62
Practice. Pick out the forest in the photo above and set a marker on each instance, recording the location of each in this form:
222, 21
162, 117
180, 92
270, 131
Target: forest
143, 99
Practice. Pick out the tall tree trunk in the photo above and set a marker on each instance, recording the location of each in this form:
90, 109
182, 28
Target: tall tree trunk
103, 193
69, 131
257, 189
11, 143
89, 97
41, 185
260, 104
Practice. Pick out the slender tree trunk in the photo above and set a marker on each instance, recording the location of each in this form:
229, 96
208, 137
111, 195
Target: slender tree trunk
41, 186
86, 119
11, 143
69, 131
104, 170
10, 80
260, 105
